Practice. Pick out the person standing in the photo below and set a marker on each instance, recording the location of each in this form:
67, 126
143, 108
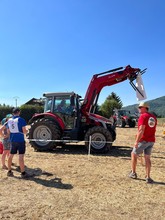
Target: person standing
145, 139
5, 140
17, 130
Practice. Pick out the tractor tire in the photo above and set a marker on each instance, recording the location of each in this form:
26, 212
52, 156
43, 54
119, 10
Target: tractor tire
41, 132
121, 123
101, 139
132, 123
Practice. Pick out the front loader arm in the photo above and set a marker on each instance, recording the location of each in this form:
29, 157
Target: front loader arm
107, 78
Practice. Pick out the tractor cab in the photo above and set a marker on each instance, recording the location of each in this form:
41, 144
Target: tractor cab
65, 105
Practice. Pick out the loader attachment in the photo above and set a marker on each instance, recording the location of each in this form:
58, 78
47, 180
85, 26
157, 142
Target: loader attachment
139, 86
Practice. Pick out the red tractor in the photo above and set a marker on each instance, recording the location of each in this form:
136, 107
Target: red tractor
68, 118
124, 118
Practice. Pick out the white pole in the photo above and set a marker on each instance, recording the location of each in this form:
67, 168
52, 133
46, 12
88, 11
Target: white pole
89, 148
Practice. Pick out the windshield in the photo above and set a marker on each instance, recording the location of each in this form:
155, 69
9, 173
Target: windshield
48, 104
59, 104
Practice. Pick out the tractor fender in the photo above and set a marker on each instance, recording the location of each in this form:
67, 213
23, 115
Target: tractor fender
50, 116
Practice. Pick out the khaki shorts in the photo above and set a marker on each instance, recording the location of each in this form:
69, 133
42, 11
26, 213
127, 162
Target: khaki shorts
6, 144
145, 147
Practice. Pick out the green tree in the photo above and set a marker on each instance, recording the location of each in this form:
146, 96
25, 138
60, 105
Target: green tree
113, 96
112, 101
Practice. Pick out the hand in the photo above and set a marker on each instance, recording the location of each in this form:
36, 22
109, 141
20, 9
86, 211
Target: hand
5, 135
136, 145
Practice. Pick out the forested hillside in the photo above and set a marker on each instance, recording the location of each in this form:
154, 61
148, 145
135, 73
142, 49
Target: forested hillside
156, 105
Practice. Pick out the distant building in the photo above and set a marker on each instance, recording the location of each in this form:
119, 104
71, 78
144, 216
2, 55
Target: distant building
35, 101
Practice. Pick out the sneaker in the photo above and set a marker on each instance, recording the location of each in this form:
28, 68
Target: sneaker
10, 173
132, 175
18, 169
149, 180
4, 167
25, 175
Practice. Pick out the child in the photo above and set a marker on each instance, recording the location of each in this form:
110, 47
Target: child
5, 140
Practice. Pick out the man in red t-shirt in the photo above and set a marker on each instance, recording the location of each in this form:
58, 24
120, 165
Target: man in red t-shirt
145, 140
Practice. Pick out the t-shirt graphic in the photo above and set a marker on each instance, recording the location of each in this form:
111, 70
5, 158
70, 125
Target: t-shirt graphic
13, 125
151, 122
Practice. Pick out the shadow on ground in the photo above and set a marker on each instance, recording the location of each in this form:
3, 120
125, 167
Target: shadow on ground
154, 183
43, 178
116, 151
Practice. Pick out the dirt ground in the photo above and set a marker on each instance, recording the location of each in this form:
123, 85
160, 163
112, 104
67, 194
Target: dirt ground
69, 184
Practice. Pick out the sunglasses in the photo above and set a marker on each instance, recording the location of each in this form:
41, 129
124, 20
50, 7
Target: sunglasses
142, 107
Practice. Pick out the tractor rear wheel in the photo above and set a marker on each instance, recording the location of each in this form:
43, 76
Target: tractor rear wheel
41, 132
132, 123
101, 139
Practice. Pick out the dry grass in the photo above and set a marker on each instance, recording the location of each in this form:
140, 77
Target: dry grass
69, 185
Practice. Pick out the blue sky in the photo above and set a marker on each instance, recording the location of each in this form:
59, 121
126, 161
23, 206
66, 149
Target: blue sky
57, 45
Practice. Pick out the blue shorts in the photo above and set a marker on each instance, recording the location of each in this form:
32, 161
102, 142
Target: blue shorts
145, 147
19, 147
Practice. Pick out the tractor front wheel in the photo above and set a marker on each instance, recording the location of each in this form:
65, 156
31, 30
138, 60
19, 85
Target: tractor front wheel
122, 123
98, 139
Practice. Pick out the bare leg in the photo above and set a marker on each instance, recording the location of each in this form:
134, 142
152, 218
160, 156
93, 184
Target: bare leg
3, 158
133, 162
5, 153
148, 165
21, 162
10, 158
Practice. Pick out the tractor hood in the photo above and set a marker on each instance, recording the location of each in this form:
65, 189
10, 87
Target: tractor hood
100, 119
